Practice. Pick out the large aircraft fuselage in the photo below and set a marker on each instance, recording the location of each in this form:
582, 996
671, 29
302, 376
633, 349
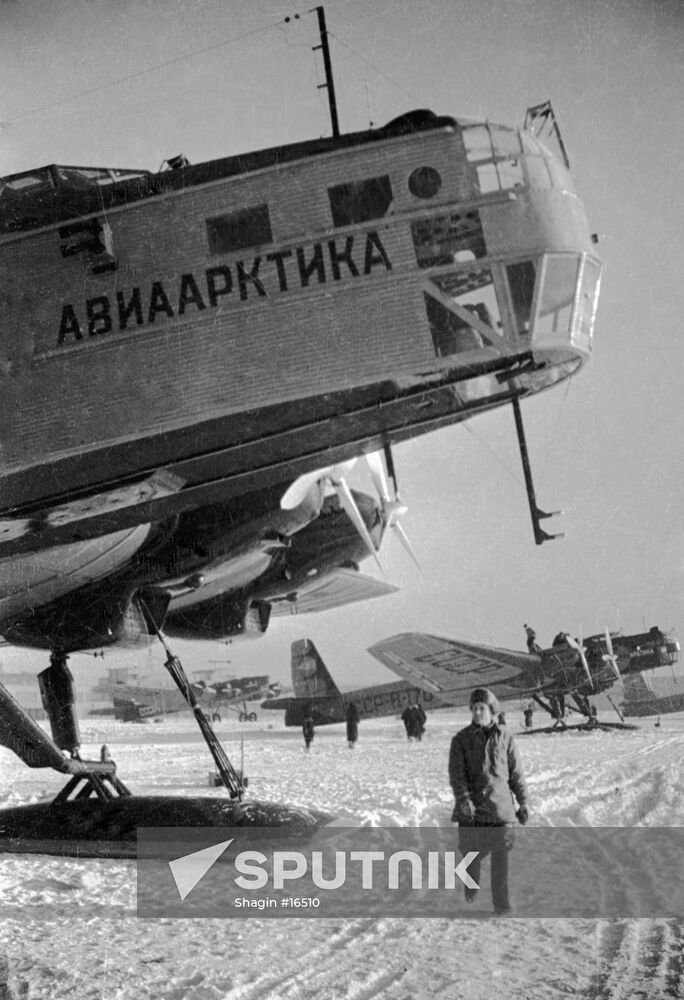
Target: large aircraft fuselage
239, 321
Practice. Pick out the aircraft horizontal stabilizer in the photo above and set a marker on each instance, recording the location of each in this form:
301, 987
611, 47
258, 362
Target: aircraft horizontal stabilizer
342, 586
453, 668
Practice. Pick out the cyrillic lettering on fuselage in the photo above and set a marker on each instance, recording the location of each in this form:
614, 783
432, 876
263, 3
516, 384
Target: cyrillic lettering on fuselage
259, 279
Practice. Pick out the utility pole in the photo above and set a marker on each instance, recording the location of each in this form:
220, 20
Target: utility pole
328, 71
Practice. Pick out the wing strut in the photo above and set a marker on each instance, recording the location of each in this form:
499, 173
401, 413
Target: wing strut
540, 536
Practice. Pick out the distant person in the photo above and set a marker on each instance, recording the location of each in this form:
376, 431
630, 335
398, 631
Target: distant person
308, 731
421, 719
501, 718
486, 773
352, 725
528, 714
561, 639
408, 717
557, 702
532, 646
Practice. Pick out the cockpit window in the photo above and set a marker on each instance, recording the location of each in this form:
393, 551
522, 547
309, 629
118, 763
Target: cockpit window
463, 311
506, 141
478, 142
496, 155
557, 294
521, 278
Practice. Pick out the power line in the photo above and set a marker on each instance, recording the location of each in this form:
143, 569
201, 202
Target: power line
143, 72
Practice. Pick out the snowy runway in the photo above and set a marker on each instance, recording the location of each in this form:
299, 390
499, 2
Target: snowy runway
70, 931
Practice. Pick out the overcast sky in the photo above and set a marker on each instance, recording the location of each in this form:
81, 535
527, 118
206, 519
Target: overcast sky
78, 85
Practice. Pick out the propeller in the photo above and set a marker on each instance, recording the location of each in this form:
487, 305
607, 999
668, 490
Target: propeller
580, 649
334, 475
392, 510
610, 657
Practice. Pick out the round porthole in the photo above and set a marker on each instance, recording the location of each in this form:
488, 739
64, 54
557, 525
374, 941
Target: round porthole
425, 182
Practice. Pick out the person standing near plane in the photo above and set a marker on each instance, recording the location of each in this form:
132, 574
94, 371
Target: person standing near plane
529, 715
352, 725
486, 774
532, 645
308, 731
421, 719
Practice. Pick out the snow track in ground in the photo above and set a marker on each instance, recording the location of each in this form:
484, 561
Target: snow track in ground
69, 929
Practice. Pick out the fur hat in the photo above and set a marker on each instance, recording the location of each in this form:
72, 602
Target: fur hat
485, 696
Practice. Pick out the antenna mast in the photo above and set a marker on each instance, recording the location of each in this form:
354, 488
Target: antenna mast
329, 85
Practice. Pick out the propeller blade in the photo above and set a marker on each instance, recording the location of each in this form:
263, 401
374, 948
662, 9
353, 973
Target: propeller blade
394, 509
348, 504
403, 539
376, 470
610, 656
580, 649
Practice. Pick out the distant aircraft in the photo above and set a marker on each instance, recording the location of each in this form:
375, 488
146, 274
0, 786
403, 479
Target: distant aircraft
133, 702
192, 360
315, 693
575, 670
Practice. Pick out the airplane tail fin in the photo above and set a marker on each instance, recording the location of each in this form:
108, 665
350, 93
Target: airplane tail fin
310, 676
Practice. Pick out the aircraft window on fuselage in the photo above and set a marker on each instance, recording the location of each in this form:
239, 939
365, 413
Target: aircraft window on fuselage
495, 153
451, 334
487, 177
521, 278
444, 239
463, 311
510, 173
360, 201
506, 141
247, 227
557, 295
100, 176
588, 297
477, 142
25, 183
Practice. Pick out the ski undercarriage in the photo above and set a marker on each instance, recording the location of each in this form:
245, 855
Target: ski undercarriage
556, 708
95, 814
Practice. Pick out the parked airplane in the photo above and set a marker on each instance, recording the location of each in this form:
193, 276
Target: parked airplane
570, 669
133, 702
315, 693
210, 348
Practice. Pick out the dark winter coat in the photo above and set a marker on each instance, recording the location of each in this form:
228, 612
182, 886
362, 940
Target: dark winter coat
308, 730
352, 723
485, 772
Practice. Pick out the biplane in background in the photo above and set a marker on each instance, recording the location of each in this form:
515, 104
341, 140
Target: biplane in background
315, 693
570, 670
213, 345
134, 702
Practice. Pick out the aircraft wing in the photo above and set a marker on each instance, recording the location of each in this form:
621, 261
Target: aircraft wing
453, 668
339, 587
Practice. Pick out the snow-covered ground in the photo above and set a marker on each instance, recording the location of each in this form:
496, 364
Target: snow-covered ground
69, 930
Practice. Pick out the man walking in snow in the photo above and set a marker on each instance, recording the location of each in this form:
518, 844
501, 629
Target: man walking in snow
485, 772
